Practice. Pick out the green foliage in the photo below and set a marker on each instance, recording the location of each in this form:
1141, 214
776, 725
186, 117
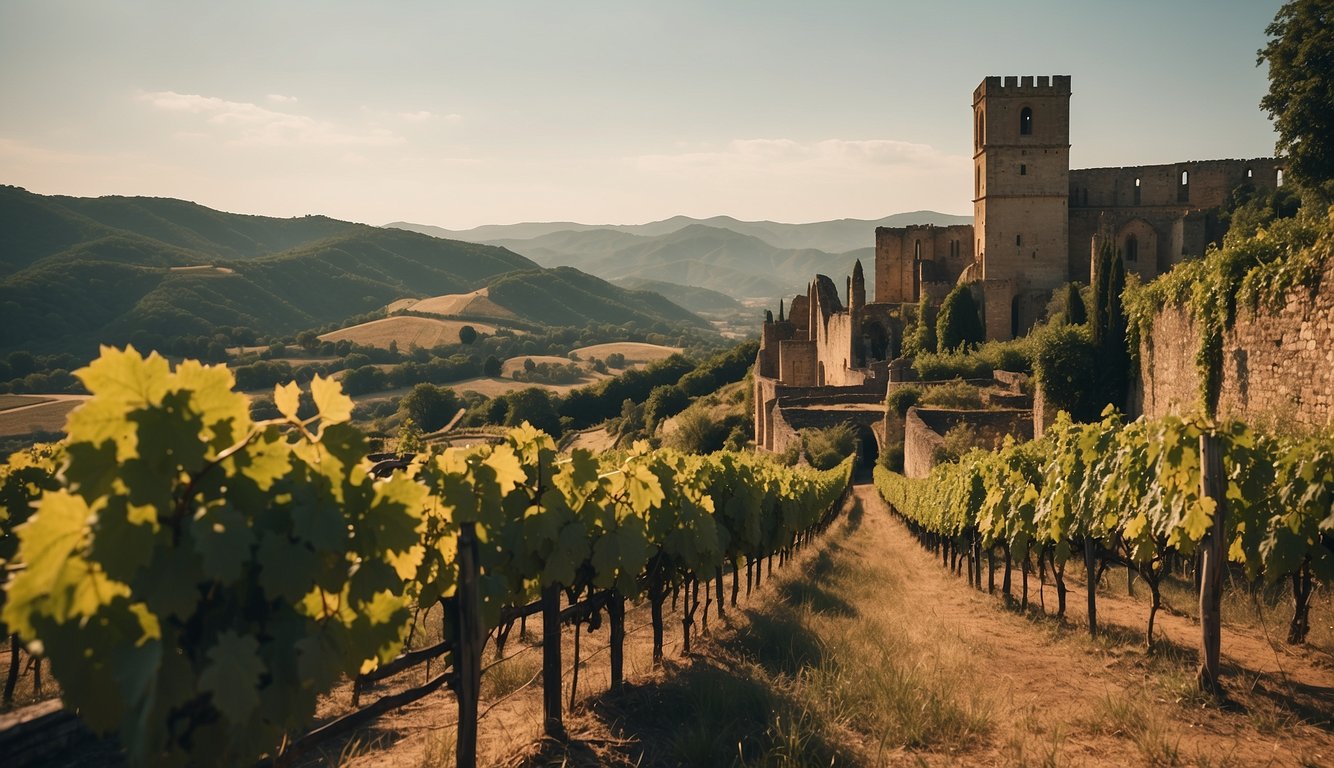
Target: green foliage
1134, 489
826, 448
955, 394
663, 402
1015, 355
1300, 53
467, 334
169, 610
429, 406
1073, 311
901, 398
1066, 366
535, 406
922, 338
1248, 272
959, 324
197, 580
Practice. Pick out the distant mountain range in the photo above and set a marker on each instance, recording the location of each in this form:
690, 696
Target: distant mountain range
75, 272
837, 236
741, 259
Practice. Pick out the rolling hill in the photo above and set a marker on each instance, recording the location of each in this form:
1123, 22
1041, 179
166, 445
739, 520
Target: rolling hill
731, 263
835, 236
741, 259
76, 272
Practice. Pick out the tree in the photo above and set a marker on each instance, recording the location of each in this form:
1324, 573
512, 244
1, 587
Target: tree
1074, 312
431, 407
959, 323
1300, 101
664, 402
534, 406
491, 367
467, 334
923, 338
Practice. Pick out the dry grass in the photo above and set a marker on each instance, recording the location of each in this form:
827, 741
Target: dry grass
475, 304
46, 417
634, 351
424, 332
513, 364
20, 401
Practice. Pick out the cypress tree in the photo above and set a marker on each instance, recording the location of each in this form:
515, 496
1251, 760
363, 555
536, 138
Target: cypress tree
959, 323
1075, 312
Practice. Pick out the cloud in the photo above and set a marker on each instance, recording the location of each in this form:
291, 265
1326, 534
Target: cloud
424, 116
788, 156
239, 123
278, 98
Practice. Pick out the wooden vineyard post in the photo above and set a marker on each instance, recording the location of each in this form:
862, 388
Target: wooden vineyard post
1090, 568
616, 617
1213, 551
468, 653
552, 724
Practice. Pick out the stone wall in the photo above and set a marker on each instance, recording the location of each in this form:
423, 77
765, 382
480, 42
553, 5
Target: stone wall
1278, 365
924, 430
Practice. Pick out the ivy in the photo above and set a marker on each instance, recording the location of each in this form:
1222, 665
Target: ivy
1247, 274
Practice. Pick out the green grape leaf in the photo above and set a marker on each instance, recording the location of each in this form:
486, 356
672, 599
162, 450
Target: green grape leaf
287, 398
334, 406
222, 538
285, 568
232, 676
126, 377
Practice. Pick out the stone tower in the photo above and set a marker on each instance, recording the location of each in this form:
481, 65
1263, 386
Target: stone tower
1021, 166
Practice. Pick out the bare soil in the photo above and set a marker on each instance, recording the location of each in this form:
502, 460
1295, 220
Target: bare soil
1036, 689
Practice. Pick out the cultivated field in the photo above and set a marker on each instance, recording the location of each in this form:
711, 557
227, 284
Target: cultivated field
46, 413
425, 332
500, 386
475, 304
516, 363
866, 652
634, 351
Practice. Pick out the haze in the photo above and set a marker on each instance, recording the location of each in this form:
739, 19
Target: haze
459, 114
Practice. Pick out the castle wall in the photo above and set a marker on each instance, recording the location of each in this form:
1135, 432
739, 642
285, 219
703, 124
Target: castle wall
898, 251
1183, 218
797, 363
1278, 365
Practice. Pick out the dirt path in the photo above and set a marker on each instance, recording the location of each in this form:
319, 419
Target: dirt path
867, 652
1066, 696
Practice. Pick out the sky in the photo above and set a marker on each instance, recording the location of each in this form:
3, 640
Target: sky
459, 114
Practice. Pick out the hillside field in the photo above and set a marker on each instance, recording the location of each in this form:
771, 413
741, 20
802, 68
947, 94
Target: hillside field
425, 332
634, 351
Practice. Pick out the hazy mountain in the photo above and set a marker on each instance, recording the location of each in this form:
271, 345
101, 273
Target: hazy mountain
75, 272
738, 265
835, 236
742, 259
687, 296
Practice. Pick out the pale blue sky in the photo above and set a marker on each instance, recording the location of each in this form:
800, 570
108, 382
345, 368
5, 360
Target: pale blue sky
460, 114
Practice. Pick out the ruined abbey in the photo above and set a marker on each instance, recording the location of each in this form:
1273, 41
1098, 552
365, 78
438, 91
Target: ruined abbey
1037, 225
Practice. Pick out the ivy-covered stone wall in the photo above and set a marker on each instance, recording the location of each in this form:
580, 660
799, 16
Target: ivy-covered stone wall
1276, 368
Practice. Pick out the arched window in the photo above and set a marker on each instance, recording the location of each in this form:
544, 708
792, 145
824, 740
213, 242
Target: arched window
1136, 191
917, 249
1183, 189
1278, 178
1132, 248
1026, 122
977, 182
981, 128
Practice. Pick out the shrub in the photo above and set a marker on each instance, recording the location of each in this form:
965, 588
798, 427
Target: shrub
900, 399
825, 448
956, 394
1067, 371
